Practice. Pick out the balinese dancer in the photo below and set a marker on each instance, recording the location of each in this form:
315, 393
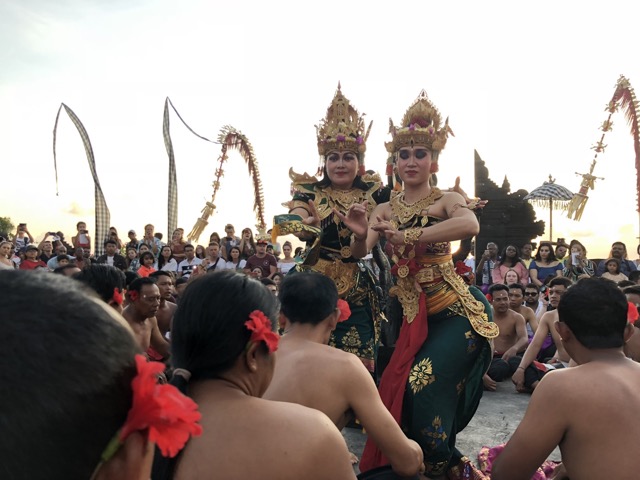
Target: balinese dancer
341, 144
433, 382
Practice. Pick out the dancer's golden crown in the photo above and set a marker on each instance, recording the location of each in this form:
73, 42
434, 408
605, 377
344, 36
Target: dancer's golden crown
342, 128
420, 126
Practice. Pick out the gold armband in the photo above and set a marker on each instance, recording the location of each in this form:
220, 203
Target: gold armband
412, 235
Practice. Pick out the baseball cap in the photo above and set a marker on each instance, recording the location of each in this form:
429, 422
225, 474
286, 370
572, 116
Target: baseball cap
131, 231
31, 247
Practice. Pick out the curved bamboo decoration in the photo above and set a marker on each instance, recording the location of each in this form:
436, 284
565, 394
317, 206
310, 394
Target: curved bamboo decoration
229, 137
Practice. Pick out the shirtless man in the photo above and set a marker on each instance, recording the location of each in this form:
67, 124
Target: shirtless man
589, 424
166, 310
516, 297
144, 301
511, 340
557, 287
311, 373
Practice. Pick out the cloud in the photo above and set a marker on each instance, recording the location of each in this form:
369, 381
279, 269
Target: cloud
76, 210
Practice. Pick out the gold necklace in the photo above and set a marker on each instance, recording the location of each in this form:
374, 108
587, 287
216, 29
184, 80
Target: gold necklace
404, 211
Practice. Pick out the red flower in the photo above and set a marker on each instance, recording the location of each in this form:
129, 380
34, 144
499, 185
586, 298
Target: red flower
170, 416
632, 313
117, 296
462, 268
489, 297
262, 330
133, 295
345, 311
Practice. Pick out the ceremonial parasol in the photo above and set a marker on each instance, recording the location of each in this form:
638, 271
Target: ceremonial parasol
550, 195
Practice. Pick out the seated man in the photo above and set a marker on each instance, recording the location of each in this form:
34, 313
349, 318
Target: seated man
590, 410
311, 373
516, 299
511, 340
144, 302
528, 374
68, 366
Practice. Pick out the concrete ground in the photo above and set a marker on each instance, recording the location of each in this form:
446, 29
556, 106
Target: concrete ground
497, 417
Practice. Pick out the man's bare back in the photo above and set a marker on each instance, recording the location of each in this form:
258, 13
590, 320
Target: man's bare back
164, 316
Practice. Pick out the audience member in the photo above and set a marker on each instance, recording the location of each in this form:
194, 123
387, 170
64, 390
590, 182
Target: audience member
247, 244
67, 270
592, 323
82, 259
46, 250
229, 240
133, 263
82, 238
311, 373
516, 297
511, 340
22, 237
177, 244
267, 263
133, 241
485, 267
509, 260
113, 235
510, 277
544, 265
150, 240
525, 254
147, 262
533, 301
60, 249
270, 285
111, 257
288, 262
185, 267
277, 279
69, 387
213, 261
236, 262
613, 272
166, 260
31, 260
6, 247
181, 285
223, 337
561, 250
577, 266
200, 252
619, 251
527, 376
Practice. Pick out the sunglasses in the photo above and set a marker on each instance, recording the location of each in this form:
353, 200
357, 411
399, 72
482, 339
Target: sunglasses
530, 294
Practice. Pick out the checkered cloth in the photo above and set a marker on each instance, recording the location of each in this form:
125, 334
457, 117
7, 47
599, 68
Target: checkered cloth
172, 200
103, 217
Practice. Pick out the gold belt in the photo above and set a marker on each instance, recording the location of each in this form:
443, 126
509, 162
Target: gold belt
345, 275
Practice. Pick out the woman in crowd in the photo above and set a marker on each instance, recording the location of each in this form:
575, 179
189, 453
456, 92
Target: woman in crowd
200, 252
235, 261
510, 260
113, 235
545, 264
223, 341
577, 266
166, 260
247, 244
433, 383
511, 277
288, 262
215, 237
6, 249
177, 245
82, 238
341, 139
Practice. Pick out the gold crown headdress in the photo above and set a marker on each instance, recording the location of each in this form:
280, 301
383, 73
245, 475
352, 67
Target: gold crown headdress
342, 128
420, 126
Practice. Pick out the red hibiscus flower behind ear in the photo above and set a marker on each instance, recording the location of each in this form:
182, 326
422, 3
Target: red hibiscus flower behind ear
345, 311
632, 313
262, 330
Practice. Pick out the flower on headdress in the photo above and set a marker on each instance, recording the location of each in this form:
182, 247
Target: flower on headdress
340, 138
133, 295
431, 130
345, 311
412, 127
170, 416
359, 140
262, 330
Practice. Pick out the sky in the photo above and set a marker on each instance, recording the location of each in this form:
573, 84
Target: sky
523, 84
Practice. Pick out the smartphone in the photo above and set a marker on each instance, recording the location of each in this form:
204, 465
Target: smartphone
574, 258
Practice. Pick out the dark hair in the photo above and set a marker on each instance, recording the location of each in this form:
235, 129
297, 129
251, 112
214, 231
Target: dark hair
518, 286
560, 281
161, 273
496, 287
107, 242
188, 245
267, 281
516, 259
209, 332
63, 256
137, 284
60, 270
77, 224
146, 255
181, 280
66, 375
278, 274
595, 310
307, 297
632, 289
634, 276
103, 279
214, 244
130, 277
158, 236
626, 283
161, 260
552, 253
